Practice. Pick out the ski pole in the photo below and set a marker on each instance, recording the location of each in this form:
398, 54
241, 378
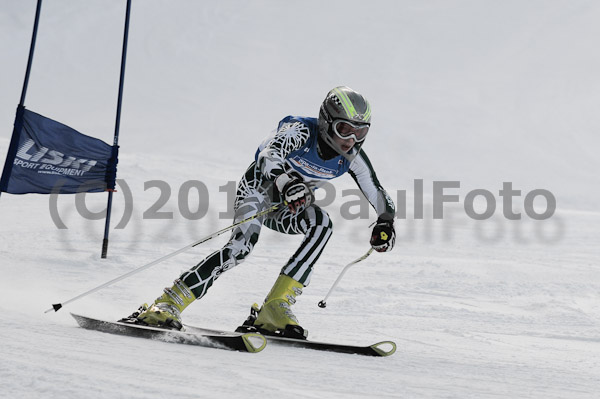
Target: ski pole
57, 306
323, 303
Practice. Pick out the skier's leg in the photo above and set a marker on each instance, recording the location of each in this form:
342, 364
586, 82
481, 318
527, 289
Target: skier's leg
317, 228
276, 314
250, 199
193, 284
243, 238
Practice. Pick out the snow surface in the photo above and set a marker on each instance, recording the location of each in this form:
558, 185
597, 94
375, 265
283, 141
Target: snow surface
480, 92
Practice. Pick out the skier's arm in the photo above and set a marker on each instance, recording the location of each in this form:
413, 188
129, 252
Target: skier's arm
290, 137
364, 175
383, 236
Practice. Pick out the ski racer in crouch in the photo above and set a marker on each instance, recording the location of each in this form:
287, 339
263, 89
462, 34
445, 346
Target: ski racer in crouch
303, 152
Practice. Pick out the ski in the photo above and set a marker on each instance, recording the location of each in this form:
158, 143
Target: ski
243, 342
381, 349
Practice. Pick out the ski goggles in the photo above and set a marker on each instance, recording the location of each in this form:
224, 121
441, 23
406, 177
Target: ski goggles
346, 130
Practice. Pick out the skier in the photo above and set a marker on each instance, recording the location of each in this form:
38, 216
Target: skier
288, 165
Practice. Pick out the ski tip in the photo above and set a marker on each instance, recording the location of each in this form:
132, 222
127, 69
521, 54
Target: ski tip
384, 348
254, 342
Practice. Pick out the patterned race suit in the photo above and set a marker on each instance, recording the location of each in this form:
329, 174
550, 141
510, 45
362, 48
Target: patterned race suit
292, 147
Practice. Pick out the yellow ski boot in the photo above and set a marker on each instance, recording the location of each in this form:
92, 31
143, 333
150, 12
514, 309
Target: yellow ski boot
166, 310
275, 317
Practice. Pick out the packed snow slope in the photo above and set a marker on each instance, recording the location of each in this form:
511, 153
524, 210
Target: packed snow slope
480, 92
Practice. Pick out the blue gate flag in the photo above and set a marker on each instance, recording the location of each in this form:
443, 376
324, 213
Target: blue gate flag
46, 157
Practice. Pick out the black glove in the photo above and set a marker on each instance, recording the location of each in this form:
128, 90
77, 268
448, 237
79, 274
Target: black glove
383, 236
295, 192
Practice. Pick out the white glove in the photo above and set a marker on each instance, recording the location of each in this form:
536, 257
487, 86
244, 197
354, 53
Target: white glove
295, 192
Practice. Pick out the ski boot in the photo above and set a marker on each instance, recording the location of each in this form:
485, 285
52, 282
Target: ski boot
166, 310
276, 317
